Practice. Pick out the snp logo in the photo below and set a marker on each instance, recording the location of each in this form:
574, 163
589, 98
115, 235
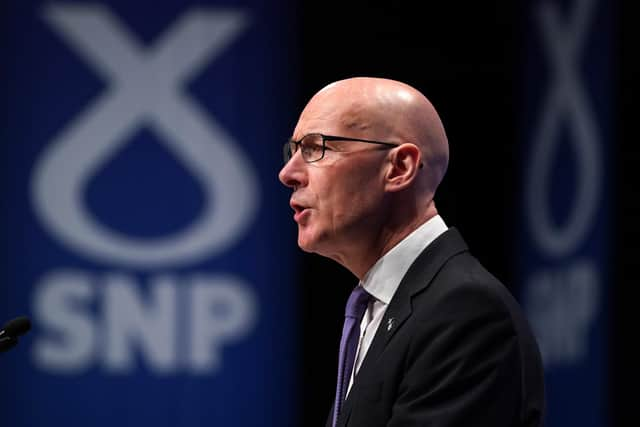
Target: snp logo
562, 297
178, 323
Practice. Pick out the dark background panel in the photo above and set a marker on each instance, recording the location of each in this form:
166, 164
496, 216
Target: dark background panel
466, 64
626, 216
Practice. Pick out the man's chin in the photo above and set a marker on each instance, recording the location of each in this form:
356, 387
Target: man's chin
307, 241
305, 245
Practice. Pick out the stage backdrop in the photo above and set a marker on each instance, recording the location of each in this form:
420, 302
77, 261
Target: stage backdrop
143, 228
564, 256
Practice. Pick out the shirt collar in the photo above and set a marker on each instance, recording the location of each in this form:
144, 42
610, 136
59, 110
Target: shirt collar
384, 277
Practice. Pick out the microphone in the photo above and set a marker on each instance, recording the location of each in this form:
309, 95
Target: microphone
16, 327
12, 330
7, 343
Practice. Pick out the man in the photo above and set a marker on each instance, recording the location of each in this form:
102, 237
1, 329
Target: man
441, 341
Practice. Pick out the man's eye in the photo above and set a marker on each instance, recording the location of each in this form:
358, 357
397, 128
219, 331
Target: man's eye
312, 148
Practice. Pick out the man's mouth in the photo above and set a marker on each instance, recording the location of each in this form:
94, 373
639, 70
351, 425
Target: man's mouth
299, 211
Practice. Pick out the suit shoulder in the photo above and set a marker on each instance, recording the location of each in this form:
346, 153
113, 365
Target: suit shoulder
464, 287
464, 275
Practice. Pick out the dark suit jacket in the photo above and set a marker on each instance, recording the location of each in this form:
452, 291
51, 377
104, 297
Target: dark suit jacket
453, 350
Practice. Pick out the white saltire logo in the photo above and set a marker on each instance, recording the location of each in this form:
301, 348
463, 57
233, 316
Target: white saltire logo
562, 298
144, 89
566, 102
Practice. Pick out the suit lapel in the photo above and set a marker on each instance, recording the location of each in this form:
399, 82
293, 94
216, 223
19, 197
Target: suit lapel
418, 277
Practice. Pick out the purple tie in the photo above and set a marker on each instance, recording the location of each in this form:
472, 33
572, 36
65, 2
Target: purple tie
356, 306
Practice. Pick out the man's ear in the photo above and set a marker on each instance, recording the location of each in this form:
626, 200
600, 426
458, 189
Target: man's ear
405, 162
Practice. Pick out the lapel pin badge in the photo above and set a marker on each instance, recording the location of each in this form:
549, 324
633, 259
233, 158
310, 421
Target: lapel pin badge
390, 323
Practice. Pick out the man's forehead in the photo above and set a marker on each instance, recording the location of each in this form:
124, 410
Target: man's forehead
340, 115
341, 119
319, 114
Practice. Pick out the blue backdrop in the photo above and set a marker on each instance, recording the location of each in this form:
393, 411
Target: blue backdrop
143, 228
564, 243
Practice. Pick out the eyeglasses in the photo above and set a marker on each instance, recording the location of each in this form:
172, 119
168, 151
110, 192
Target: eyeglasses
313, 145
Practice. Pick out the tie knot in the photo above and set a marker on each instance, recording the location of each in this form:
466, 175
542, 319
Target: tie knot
357, 303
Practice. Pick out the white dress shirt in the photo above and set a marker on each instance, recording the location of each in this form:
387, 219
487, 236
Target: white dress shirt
383, 279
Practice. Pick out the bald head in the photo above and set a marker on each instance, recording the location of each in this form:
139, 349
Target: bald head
387, 110
366, 158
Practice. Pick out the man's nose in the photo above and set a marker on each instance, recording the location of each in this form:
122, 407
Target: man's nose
293, 173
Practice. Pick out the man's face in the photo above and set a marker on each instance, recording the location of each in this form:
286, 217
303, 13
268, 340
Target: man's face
338, 200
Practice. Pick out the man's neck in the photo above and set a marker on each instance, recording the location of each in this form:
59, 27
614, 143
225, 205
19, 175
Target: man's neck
361, 259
